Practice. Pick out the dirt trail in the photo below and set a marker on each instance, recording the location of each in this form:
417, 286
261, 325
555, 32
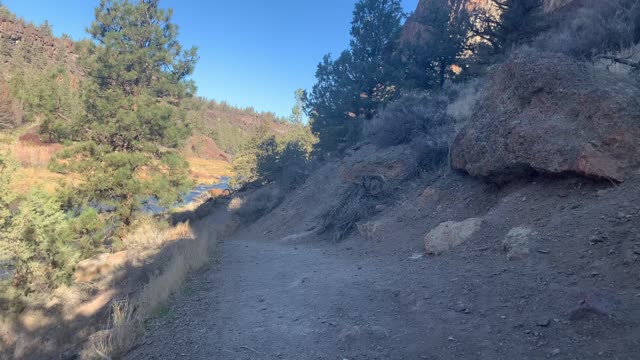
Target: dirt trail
305, 299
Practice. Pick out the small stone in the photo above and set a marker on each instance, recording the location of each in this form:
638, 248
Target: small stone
461, 308
596, 239
555, 352
543, 322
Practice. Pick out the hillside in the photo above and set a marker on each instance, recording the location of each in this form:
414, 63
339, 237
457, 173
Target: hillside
31, 51
506, 227
471, 190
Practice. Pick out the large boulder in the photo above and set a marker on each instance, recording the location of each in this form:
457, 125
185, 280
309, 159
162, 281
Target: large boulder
550, 114
450, 234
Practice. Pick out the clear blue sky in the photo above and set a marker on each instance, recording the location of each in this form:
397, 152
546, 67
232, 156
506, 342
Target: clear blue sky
252, 52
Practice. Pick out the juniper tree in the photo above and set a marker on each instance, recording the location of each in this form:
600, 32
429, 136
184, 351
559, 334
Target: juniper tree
351, 88
429, 58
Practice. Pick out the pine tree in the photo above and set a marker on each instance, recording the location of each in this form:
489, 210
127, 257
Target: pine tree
501, 27
353, 87
430, 57
138, 75
297, 113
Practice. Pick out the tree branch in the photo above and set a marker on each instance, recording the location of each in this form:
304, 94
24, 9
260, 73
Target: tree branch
624, 61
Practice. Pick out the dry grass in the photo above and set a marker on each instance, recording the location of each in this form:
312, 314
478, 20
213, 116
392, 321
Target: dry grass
205, 171
151, 234
255, 204
35, 156
468, 94
72, 312
190, 254
123, 332
28, 178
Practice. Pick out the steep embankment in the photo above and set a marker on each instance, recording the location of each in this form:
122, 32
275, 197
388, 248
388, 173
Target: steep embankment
552, 271
527, 247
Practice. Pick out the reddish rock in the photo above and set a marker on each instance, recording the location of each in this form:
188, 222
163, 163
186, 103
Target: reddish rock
204, 147
415, 30
551, 114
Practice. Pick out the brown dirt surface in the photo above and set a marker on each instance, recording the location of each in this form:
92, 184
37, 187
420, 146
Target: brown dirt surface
283, 291
203, 147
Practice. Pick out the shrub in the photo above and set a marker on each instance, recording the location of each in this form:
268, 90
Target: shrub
40, 244
274, 161
413, 116
464, 96
596, 27
256, 204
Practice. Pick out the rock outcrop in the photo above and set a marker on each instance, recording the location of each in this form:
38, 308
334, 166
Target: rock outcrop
450, 234
415, 30
550, 114
17, 33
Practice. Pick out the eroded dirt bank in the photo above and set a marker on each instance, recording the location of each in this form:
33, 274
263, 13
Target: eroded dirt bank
573, 294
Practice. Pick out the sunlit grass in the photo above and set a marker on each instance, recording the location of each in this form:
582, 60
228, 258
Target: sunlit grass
204, 171
27, 178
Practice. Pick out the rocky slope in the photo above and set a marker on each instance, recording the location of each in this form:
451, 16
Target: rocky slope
526, 247
446, 266
549, 113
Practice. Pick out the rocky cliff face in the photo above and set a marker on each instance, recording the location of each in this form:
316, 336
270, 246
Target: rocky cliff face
18, 36
414, 29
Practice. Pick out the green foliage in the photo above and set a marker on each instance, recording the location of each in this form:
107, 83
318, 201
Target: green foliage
5, 13
90, 229
7, 171
232, 128
50, 98
297, 112
353, 87
39, 244
271, 160
8, 116
428, 58
122, 181
229, 138
139, 73
45, 28
134, 118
